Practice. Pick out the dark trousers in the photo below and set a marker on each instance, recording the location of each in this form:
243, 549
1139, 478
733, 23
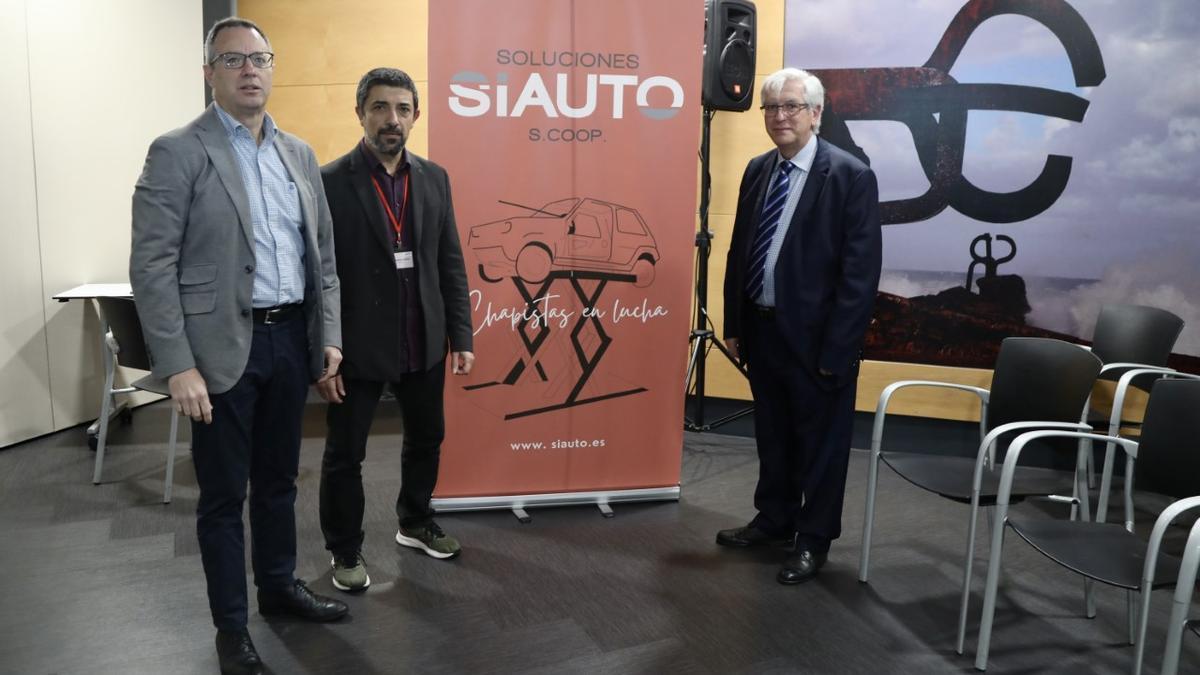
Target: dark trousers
254, 436
803, 429
420, 398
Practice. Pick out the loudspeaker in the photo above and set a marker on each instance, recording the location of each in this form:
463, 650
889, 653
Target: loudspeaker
729, 45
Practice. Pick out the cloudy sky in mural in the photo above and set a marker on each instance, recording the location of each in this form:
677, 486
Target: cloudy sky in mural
1126, 228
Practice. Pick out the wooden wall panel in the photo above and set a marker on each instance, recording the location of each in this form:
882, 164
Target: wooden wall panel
321, 42
323, 115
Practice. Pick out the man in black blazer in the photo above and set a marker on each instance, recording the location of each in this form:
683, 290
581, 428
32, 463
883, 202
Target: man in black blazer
404, 305
802, 275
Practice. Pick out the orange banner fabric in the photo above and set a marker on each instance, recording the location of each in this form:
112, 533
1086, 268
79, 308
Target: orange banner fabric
569, 130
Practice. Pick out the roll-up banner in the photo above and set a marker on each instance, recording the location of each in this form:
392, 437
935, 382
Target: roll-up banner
570, 131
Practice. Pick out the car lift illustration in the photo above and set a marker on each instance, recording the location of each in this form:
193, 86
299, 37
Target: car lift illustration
529, 361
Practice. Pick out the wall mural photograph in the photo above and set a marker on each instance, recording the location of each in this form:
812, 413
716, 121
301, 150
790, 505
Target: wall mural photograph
1037, 159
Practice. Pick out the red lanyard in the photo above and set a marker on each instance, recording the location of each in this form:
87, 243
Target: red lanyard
397, 223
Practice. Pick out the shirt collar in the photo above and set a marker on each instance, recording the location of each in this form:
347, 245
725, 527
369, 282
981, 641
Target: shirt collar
803, 159
235, 128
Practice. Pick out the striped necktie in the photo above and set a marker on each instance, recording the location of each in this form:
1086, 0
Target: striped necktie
768, 222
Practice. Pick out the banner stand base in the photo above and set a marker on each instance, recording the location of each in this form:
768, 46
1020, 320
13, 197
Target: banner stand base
518, 503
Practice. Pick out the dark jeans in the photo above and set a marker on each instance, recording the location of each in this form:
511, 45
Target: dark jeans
803, 433
255, 436
420, 398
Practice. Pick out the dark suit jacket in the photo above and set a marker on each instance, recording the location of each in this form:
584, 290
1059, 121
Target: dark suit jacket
191, 262
828, 270
371, 327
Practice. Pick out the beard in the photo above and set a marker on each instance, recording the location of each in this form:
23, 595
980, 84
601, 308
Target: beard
388, 146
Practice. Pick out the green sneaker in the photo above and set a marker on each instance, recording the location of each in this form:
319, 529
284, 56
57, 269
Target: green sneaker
431, 539
350, 573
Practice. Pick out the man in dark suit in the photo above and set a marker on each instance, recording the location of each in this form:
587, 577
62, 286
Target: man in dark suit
404, 305
232, 267
803, 270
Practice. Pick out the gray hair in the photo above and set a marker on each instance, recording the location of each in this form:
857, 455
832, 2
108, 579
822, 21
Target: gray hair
229, 22
814, 91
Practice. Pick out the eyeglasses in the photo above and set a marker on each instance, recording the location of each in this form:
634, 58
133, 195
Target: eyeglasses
235, 60
789, 109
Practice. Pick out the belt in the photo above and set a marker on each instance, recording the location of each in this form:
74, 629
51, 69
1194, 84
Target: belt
272, 315
763, 312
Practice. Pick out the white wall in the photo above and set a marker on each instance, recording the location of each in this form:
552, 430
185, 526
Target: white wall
88, 84
24, 370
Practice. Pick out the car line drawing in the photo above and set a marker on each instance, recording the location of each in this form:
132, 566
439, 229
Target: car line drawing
574, 234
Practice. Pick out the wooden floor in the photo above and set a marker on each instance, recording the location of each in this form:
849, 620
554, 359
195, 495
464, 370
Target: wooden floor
105, 579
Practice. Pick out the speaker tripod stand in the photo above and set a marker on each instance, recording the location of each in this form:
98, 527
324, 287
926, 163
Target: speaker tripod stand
703, 337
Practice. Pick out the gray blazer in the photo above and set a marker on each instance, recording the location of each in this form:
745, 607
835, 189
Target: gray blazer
191, 263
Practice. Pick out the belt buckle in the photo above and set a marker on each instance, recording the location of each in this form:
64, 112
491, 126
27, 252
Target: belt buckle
268, 316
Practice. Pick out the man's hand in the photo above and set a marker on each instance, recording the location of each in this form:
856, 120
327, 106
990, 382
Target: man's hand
190, 395
332, 389
731, 346
333, 360
461, 362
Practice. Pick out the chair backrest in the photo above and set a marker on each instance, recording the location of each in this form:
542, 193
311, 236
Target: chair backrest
1040, 379
1135, 334
121, 315
1168, 459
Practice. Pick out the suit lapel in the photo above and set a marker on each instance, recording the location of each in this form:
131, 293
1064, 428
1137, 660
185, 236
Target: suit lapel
416, 175
216, 143
360, 182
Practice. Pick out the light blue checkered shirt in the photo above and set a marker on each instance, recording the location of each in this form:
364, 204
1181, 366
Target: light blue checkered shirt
274, 213
802, 161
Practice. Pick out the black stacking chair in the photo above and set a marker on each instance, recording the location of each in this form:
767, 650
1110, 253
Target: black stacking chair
1185, 585
1134, 342
1038, 383
128, 349
1167, 463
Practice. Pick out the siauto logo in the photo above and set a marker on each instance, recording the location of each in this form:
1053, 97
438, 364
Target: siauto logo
473, 95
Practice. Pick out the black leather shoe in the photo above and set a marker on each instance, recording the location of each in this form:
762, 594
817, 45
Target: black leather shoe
302, 603
742, 537
236, 653
800, 566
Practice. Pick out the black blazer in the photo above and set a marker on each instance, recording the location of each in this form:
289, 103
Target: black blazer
827, 274
371, 329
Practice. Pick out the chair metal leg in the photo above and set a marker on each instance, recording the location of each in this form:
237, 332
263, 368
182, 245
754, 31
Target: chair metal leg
1075, 486
864, 559
1083, 514
169, 480
990, 589
102, 439
1181, 605
1129, 609
1106, 481
1175, 629
965, 601
1081, 491
1139, 645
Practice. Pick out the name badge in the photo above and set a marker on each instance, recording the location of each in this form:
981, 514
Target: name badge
404, 260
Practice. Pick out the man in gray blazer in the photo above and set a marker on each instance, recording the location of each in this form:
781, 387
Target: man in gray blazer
233, 273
